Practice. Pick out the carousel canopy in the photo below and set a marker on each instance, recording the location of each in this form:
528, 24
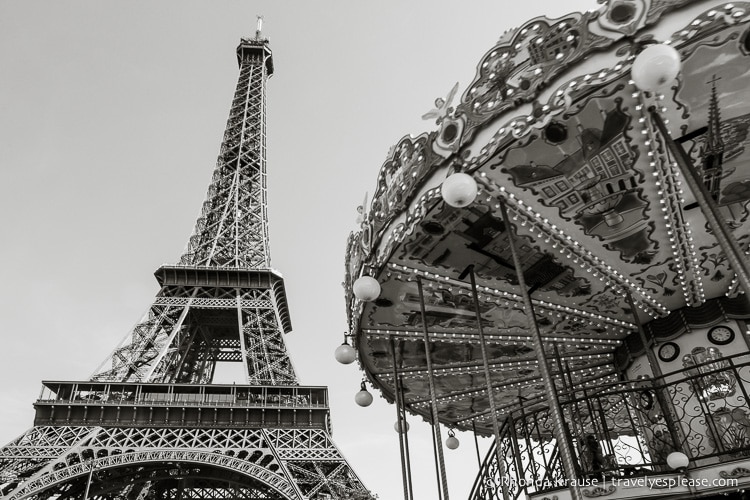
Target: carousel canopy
554, 129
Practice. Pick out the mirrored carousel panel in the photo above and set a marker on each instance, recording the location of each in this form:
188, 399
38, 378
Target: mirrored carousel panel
627, 208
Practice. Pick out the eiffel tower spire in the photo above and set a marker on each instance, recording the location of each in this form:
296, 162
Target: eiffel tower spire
713, 149
232, 230
150, 423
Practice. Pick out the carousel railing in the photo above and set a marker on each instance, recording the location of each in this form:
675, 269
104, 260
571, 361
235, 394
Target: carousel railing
626, 429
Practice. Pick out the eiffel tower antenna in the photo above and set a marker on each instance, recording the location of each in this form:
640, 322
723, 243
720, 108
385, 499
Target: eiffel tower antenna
151, 423
259, 29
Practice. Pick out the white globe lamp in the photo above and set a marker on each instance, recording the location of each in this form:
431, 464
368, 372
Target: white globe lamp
656, 67
677, 460
397, 426
345, 354
366, 288
459, 190
452, 442
363, 398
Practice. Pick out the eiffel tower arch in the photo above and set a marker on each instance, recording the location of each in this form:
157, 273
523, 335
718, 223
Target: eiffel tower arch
150, 423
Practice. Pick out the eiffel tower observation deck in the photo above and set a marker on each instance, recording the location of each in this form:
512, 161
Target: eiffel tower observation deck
150, 423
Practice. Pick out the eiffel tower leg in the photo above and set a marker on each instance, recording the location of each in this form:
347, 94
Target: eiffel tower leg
136, 357
316, 466
265, 356
34, 453
158, 371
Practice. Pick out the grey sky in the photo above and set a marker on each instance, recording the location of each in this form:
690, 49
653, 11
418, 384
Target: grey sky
111, 116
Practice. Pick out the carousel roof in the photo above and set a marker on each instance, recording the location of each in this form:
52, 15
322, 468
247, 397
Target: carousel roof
553, 127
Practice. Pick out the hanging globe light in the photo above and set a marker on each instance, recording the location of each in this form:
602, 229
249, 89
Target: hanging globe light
452, 442
397, 427
345, 354
459, 190
363, 398
677, 460
656, 67
366, 288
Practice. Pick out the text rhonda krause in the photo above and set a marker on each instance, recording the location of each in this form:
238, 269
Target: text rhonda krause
629, 482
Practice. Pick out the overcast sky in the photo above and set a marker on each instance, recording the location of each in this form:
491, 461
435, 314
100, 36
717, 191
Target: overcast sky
111, 116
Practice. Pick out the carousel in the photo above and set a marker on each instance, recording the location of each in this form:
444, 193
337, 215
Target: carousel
562, 263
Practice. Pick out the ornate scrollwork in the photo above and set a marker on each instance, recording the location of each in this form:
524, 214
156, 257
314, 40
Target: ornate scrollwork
735, 473
523, 61
403, 170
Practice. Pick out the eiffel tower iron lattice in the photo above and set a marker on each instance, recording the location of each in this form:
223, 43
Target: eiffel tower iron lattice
150, 424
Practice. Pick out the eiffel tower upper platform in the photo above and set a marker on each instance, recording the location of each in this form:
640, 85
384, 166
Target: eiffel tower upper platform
150, 423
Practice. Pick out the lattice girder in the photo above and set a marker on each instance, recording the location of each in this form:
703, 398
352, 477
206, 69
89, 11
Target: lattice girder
307, 444
327, 478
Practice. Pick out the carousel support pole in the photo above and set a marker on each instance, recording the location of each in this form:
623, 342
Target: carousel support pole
566, 378
433, 400
567, 385
566, 453
566, 389
401, 423
488, 379
520, 473
435, 444
575, 411
476, 444
664, 405
406, 438
569, 374
652, 361
708, 205
574, 402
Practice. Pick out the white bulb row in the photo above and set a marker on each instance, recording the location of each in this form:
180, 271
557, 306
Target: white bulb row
385, 333
669, 188
586, 371
479, 392
516, 298
487, 417
503, 366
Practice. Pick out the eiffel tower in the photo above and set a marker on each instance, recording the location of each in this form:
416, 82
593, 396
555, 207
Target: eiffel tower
150, 424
